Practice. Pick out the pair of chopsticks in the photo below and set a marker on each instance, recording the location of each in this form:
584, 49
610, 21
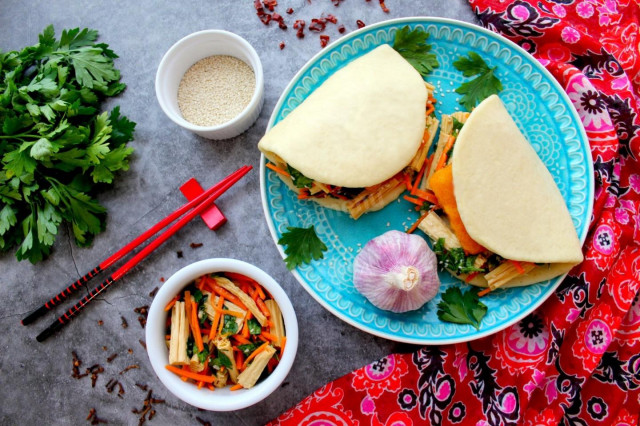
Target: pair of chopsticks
192, 209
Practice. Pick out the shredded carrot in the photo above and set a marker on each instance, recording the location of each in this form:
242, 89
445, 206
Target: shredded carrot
471, 276
224, 293
445, 152
425, 195
221, 324
416, 183
417, 222
407, 181
430, 109
189, 374
256, 352
484, 292
245, 328
303, 195
431, 98
228, 312
269, 336
187, 305
236, 387
277, 169
216, 318
263, 308
195, 326
260, 291
413, 200
283, 342
239, 360
241, 339
518, 266
171, 303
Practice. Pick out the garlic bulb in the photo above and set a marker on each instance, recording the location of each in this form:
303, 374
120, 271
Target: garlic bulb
396, 272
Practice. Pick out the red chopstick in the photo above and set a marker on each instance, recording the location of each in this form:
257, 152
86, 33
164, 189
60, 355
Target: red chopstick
75, 309
205, 198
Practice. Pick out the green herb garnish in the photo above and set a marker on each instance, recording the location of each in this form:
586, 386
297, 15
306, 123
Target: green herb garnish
221, 360
299, 180
190, 346
248, 348
457, 126
455, 260
413, 46
481, 87
56, 148
230, 325
461, 308
254, 326
303, 246
202, 355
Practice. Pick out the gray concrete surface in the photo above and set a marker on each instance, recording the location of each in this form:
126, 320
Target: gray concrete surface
36, 383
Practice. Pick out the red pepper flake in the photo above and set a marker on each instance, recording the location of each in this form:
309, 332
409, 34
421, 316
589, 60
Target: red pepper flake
336, 3
360, 24
270, 4
290, 10
324, 39
341, 29
299, 25
280, 20
318, 24
332, 19
282, 45
384, 8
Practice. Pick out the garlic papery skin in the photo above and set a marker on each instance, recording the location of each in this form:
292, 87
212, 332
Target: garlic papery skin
396, 272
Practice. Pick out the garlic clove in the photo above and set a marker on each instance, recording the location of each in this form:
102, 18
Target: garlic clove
397, 272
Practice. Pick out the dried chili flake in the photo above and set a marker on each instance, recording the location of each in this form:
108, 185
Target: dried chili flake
332, 19
282, 45
317, 24
324, 39
290, 11
100, 322
153, 292
336, 3
384, 8
299, 25
341, 29
270, 4
360, 24
112, 357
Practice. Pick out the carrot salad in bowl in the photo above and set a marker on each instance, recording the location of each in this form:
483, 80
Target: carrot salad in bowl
224, 329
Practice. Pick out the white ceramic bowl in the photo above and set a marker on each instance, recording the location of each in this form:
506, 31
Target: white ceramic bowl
220, 399
189, 50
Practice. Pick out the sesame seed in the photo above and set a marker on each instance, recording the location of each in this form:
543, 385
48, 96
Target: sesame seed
215, 90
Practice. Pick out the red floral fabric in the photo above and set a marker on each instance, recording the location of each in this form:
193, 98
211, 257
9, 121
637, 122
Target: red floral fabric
576, 360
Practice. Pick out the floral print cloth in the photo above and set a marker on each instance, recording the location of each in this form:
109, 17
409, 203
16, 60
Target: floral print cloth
576, 360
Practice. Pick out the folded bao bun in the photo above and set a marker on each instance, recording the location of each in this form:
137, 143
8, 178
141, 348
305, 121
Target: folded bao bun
361, 127
507, 199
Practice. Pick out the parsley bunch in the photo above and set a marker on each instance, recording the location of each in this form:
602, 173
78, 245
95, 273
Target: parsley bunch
56, 147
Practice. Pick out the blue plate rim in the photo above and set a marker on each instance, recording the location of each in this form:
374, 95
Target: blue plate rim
426, 20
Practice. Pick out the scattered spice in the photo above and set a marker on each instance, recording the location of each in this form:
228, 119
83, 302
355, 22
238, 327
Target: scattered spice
195, 245
130, 367
341, 29
299, 25
142, 343
143, 387
282, 45
179, 254
360, 24
203, 422
112, 357
143, 321
111, 385
290, 11
215, 89
94, 370
130, 350
142, 310
123, 322
100, 322
336, 3
93, 417
147, 408
76, 362
384, 8
104, 348
153, 292
324, 39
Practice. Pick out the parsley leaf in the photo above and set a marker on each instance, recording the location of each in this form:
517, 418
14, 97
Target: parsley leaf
303, 246
412, 45
57, 149
230, 325
484, 85
299, 180
461, 308
248, 348
202, 355
221, 360
455, 260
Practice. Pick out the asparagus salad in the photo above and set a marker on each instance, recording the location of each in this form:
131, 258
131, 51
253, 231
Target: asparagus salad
224, 329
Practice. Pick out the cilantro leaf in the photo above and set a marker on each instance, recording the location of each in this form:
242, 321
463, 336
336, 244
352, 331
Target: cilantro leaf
303, 245
412, 45
254, 326
248, 348
461, 308
299, 180
455, 260
222, 360
202, 355
482, 86
230, 326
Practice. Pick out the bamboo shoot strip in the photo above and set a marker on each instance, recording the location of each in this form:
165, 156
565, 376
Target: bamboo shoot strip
55, 300
75, 309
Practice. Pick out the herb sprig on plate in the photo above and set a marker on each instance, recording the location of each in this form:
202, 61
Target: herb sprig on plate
461, 307
413, 46
482, 86
303, 246
56, 148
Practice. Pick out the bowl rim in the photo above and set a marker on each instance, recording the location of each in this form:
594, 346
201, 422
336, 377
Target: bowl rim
257, 71
222, 399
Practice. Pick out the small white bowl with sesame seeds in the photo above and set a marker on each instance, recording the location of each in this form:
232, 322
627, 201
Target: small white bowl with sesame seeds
211, 83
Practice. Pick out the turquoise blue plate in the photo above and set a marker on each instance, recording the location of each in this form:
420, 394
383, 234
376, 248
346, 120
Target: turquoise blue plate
540, 108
